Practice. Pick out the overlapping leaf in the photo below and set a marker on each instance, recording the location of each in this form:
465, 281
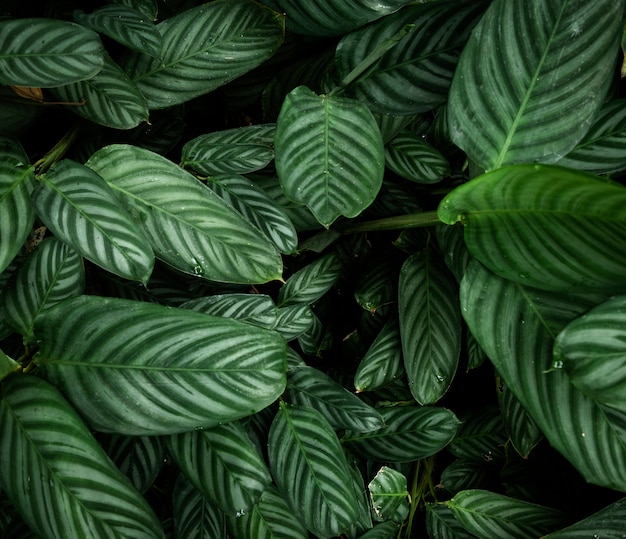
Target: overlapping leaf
608, 522
294, 320
194, 514
531, 79
310, 283
410, 156
376, 287
481, 437
204, 48
7, 365
440, 523
255, 309
544, 226
188, 225
79, 207
389, 494
329, 154
143, 369
57, 475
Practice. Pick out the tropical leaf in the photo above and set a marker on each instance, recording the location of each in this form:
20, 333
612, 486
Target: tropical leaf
329, 154
377, 285
310, 283
455, 253
223, 464
57, 475
270, 518
188, 225
516, 326
294, 320
364, 507
77, 205
384, 530
44, 53
109, 98
609, 522
311, 471
528, 92
411, 157
17, 181
148, 8
440, 523
415, 75
204, 48
233, 151
7, 365
544, 226
389, 495
125, 25
143, 369
481, 437
258, 208
307, 386
430, 325
411, 433
316, 338
487, 514
51, 274
464, 473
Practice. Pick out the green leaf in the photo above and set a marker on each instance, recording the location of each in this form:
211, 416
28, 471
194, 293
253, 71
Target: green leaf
143, 369
329, 154
233, 151
204, 48
270, 518
109, 98
455, 253
488, 514
47, 53
481, 437
223, 464
57, 475
294, 320
188, 225
148, 8
463, 473
376, 287
544, 226
389, 495
307, 386
311, 471
516, 326
52, 273
411, 433
258, 208
529, 91
125, 25
310, 283
384, 530
256, 309
440, 523
17, 216
194, 514
591, 350
411, 157
430, 325
7, 366
607, 523
414, 76
77, 205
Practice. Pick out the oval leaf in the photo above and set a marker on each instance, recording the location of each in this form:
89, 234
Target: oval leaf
256, 309
329, 154
411, 157
310, 283
389, 495
143, 369
194, 514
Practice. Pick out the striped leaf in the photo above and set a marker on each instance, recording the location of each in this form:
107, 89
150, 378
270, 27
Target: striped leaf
109, 98
455, 253
516, 327
307, 386
411, 157
294, 320
311, 471
481, 437
144, 369
544, 226
258, 208
77, 205
57, 475
188, 225
430, 325
194, 515
44, 53
608, 523
204, 48
376, 287
487, 514
528, 91
51, 274
148, 8
440, 523
125, 25
256, 309
223, 464
17, 181
310, 283
270, 518
415, 75
384, 530
592, 351
411, 433
464, 473
233, 151
329, 154
389, 495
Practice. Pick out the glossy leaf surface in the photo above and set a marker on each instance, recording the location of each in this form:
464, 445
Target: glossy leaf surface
389, 494
310, 283
608, 522
411, 157
440, 523
256, 309
143, 369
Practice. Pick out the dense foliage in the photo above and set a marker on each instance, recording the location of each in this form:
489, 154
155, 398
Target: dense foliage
290, 269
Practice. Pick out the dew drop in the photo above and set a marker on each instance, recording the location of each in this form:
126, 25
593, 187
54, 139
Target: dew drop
240, 513
439, 378
558, 364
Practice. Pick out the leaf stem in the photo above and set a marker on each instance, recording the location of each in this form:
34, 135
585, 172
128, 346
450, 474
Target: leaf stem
58, 151
411, 220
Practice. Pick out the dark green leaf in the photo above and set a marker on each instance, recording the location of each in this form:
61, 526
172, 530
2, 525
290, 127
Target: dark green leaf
194, 515
7, 365
389, 495
410, 156
377, 285
256, 309
294, 320
310, 283
384, 530
440, 523
481, 437
463, 474
608, 523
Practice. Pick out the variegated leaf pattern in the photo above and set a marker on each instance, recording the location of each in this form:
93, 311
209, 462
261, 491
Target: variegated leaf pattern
482, 437
377, 286
194, 514
311, 282
57, 475
44, 53
463, 473
78, 206
144, 369
384, 530
52, 273
411, 157
17, 216
440, 522
294, 320
311, 471
389, 494
223, 463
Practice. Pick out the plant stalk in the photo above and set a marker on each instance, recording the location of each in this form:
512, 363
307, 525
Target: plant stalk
411, 220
